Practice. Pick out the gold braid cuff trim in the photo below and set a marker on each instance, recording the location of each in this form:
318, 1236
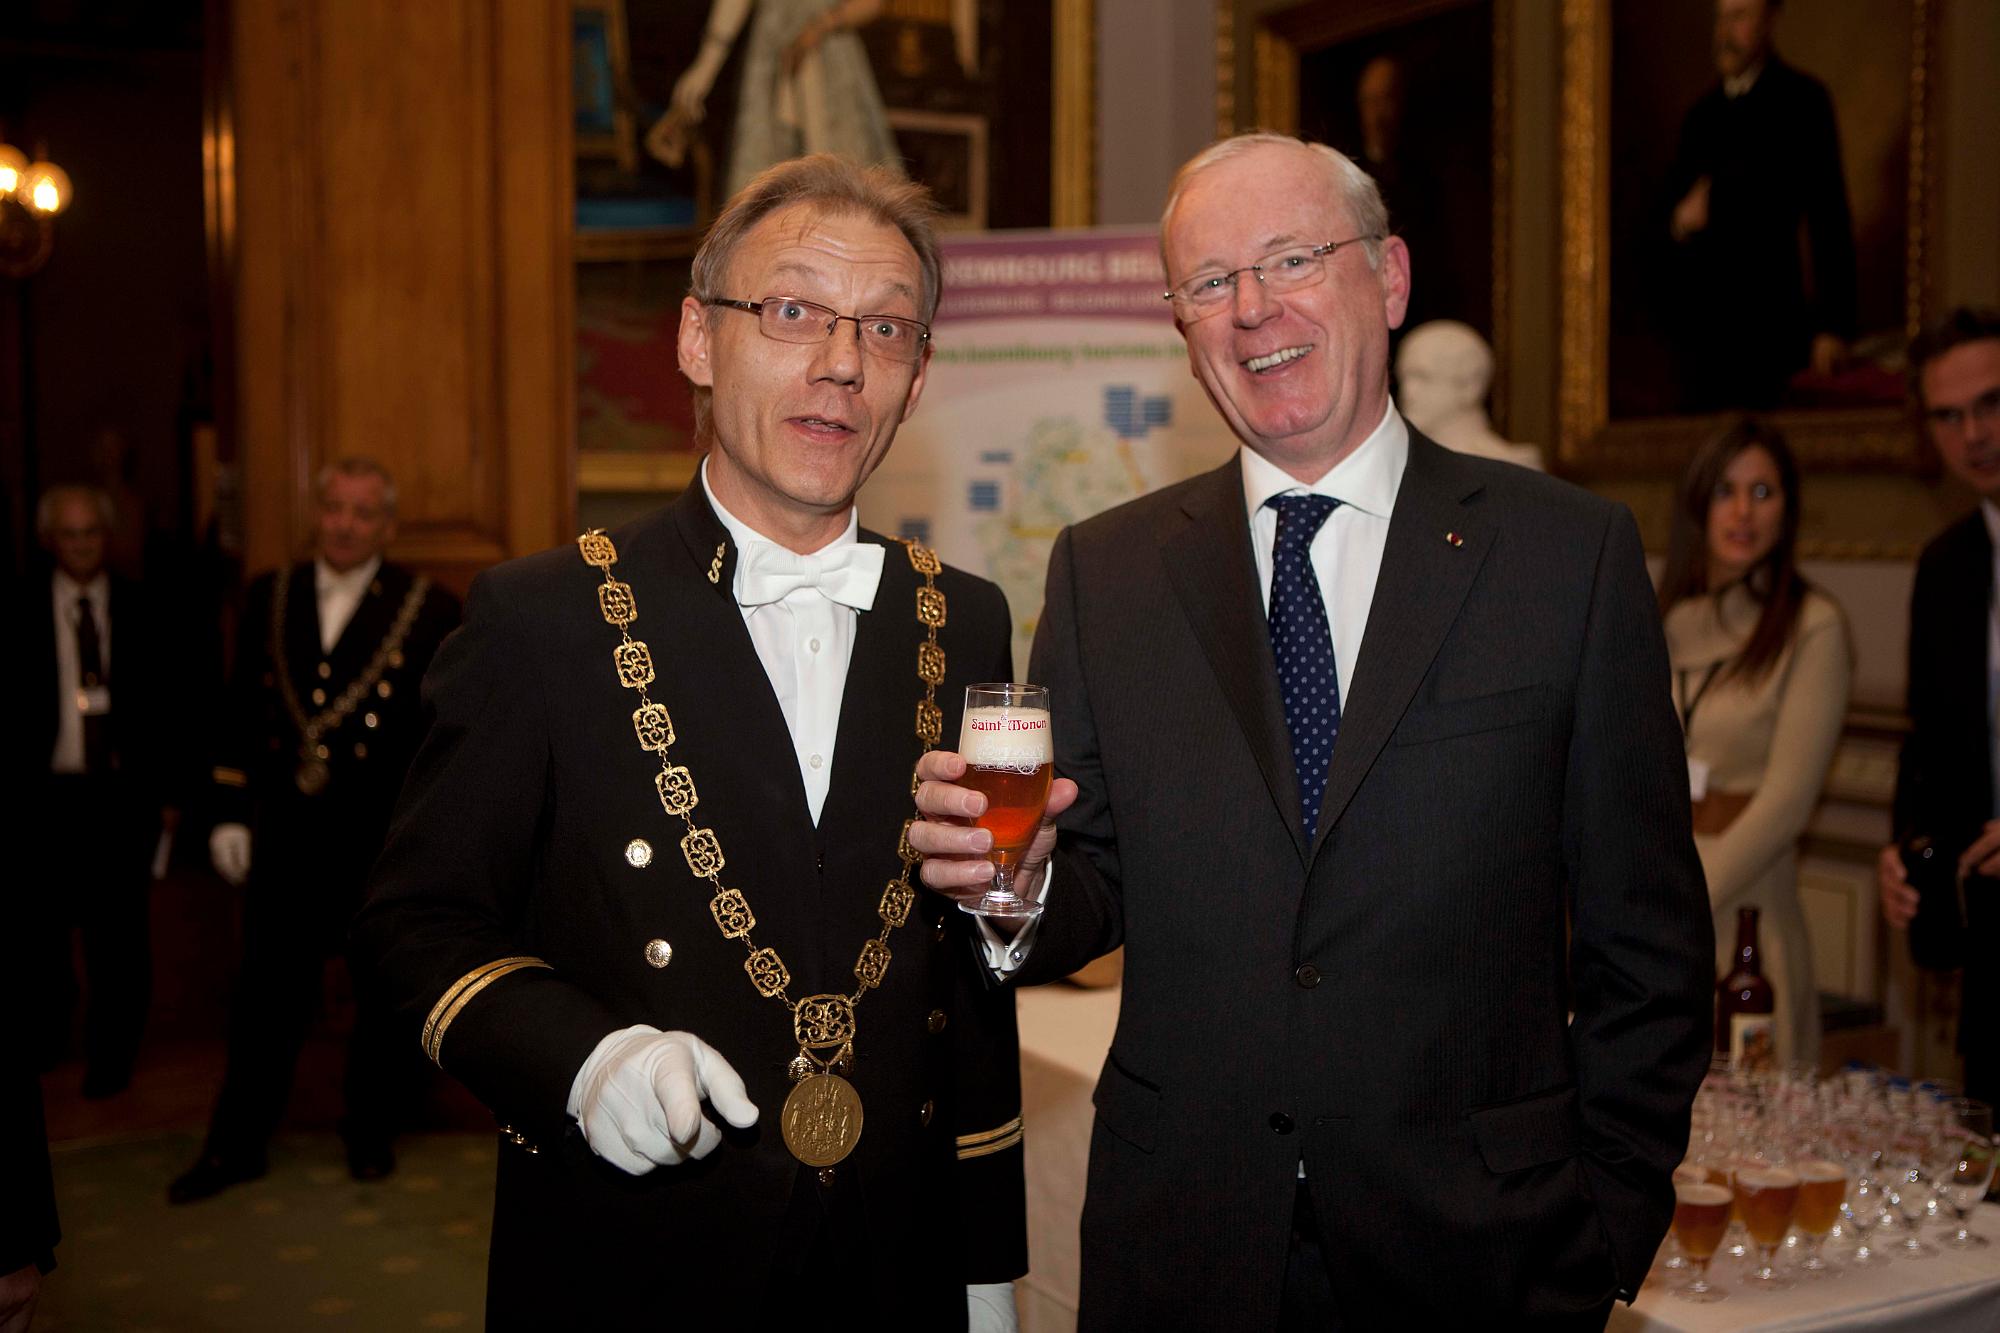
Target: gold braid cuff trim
460, 992
230, 777
988, 1142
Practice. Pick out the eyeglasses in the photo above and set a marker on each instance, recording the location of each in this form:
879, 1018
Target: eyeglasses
1287, 270
790, 320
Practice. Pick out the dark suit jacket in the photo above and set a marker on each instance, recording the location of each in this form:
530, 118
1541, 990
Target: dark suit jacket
1944, 785
511, 841
332, 837
1387, 1004
147, 698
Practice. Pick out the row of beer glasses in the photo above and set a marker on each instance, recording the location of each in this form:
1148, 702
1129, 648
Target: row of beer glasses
1787, 1160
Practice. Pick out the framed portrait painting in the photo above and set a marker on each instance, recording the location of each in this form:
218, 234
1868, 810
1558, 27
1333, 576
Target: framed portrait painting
1745, 209
987, 102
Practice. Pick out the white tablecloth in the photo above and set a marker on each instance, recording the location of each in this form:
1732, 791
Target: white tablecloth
1064, 1035
1956, 1292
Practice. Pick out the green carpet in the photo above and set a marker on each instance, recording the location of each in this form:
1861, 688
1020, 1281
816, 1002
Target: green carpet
304, 1248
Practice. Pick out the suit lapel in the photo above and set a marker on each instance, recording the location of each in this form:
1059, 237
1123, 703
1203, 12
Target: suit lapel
1424, 579
1215, 577
301, 628
878, 706
714, 657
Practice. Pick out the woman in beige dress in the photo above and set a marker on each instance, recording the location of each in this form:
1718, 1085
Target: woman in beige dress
1761, 665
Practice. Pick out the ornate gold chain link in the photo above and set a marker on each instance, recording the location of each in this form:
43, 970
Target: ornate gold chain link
819, 1022
312, 773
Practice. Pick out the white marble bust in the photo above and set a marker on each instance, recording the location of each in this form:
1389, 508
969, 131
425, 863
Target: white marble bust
1443, 370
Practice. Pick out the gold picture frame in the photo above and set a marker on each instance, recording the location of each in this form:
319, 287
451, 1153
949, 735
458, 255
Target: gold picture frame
1259, 44
1588, 442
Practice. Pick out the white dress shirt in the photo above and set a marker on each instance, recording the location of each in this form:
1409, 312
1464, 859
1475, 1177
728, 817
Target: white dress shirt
340, 596
805, 642
1346, 552
67, 757
1346, 556
1991, 513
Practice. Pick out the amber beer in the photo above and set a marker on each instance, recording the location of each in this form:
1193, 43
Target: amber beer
1769, 1198
1008, 747
1009, 758
1701, 1215
1822, 1189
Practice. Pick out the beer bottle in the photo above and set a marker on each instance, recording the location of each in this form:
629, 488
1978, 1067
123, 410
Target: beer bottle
1744, 1028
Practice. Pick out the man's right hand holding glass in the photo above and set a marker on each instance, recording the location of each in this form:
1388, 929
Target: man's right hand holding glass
955, 850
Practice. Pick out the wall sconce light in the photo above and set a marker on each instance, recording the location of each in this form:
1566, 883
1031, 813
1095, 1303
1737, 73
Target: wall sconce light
32, 195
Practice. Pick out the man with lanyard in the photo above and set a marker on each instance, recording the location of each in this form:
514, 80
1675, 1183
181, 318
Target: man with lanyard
648, 895
323, 716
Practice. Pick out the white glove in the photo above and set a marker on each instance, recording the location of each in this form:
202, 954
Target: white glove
229, 851
638, 1098
989, 1308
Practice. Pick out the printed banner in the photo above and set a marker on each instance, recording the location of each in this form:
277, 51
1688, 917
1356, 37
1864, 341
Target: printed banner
1058, 388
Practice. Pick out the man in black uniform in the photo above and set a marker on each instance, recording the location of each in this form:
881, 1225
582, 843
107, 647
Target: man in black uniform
1759, 167
93, 779
661, 805
324, 717
1948, 784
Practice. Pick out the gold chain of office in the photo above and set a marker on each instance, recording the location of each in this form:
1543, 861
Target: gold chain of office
312, 774
822, 1116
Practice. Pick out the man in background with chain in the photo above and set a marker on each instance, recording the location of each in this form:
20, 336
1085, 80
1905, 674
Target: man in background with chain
323, 716
647, 893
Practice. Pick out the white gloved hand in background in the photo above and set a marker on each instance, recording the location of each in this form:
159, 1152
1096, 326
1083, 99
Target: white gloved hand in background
229, 851
638, 1098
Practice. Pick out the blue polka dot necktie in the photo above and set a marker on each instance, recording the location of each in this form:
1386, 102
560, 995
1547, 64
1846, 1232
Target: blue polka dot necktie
1303, 647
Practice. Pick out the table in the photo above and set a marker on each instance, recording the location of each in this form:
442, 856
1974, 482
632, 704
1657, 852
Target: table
1065, 1032
1956, 1292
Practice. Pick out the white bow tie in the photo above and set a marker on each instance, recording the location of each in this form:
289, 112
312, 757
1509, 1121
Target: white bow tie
848, 574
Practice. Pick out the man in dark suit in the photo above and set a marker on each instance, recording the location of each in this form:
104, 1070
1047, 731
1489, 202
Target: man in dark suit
1946, 783
1757, 169
612, 875
1368, 851
94, 779
323, 717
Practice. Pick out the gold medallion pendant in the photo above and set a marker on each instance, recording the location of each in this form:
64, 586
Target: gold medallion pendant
311, 776
822, 1120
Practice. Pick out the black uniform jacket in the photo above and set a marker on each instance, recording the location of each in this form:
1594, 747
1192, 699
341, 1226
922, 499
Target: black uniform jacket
1503, 839
515, 840
334, 834
1944, 785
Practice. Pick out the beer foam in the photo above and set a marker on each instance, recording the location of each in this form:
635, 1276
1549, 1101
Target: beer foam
1765, 1178
1702, 1194
1011, 738
1814, 1169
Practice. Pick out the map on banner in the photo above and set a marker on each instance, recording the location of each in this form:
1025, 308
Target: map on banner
1058, 388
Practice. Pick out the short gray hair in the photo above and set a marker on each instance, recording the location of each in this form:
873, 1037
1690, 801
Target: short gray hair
1356, 188
835, 185
356, 466
52, 498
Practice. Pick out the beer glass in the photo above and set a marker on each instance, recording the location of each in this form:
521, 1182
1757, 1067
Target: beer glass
1822, 1189
1009, 753
1860, 1214
1768, 1197
1908, 1188
1972, 1172
1701, 1213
